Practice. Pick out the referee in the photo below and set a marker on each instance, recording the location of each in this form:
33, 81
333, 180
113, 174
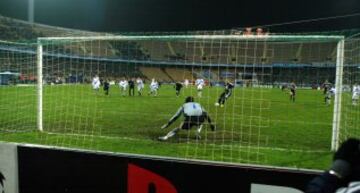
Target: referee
194, 115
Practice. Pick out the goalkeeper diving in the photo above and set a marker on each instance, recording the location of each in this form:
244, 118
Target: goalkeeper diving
194, 115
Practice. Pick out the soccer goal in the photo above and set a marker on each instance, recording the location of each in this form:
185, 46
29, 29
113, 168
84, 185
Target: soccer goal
115, 93
349, 116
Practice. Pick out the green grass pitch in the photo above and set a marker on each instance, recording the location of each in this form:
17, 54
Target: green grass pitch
257, 125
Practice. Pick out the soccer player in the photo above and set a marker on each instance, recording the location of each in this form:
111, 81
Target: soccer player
186, 83
326, 86
106, 87
131, 84
154, 86
292, 91
178, 86
123, 85
140, 85
199, 86
330, 92
96, 83
225, 95
355, 95
194, 115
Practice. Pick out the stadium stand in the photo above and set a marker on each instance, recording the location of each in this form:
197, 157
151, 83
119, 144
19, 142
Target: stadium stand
304, 63
156, 50
12, 30
179, 74
155, 72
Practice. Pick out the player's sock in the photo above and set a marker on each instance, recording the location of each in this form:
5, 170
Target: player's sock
198, 131
172, 133
163, 138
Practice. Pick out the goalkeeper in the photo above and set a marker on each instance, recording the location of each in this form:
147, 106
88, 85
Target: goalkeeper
194, 114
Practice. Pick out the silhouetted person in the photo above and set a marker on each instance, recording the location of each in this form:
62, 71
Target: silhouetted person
131, 87
344, 174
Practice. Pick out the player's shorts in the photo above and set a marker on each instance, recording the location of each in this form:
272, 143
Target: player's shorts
95, 87
191, 121
228, 94
292, 92
328, 96
355, 96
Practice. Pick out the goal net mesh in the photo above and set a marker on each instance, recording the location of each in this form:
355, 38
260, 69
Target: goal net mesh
262, 121
350, 112
17, 87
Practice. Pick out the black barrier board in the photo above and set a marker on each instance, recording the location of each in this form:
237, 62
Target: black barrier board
45, 170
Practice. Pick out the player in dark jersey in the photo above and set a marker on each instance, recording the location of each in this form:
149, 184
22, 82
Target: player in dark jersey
178, 86
106, 87
131, 87
225, 95
194, 115
292, 91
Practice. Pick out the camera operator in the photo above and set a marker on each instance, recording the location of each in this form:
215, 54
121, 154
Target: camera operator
344, 174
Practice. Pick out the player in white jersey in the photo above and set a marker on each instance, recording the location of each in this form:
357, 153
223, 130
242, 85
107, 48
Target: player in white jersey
194, 115
200, 83
355, 94
140, 85
186, 83
329, 93
123, 86
154, 86
96, 83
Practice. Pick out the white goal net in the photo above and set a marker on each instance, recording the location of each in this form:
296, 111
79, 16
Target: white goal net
269, 96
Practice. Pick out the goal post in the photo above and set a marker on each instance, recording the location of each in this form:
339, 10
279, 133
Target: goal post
338, 95
39, 65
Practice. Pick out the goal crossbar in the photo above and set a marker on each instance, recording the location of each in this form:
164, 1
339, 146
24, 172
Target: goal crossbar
197, 37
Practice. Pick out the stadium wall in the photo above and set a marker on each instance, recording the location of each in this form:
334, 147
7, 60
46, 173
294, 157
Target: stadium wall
45, 169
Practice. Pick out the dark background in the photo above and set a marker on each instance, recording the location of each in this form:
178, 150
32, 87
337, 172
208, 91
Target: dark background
76, 172
183, 15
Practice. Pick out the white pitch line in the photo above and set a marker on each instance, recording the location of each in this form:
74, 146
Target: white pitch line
219, 145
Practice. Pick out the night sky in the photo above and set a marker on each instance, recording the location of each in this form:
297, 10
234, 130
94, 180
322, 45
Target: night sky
183, 15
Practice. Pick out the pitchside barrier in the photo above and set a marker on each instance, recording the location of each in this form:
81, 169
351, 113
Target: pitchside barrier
42, 169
